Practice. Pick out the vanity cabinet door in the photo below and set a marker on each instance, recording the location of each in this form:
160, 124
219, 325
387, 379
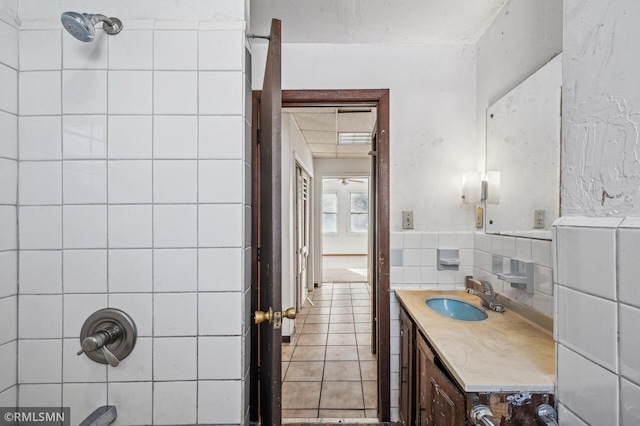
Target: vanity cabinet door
438, 401
406, 368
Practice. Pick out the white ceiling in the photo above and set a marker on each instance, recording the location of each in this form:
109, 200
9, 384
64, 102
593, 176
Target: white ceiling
320, 128
376, 21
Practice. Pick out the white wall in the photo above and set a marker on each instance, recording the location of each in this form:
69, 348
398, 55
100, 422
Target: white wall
294, 150
597, 251
432, 123
134, 194
8, 216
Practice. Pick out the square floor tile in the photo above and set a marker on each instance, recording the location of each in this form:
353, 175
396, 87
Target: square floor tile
342, 310
342, 395
299, 414
287, 351
341, 371
341, 318
362, 310
361, 302
311, 339
317, 319
326, 310
341, 339
304, 371
362, 318
314, 328
341, 414
363, 339
364, 353
370, 390
341, 328
285, 366
363, 327
322, 303
347, 302
326, 296
300, 395
368, 370
341, 296
360, 296
341, 353
308, 353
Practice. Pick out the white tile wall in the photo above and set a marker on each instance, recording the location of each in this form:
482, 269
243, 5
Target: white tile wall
8, 213
414, 264
84, 136
131, 196
40, 138
506, 248
174, 403
33, 99
597, 314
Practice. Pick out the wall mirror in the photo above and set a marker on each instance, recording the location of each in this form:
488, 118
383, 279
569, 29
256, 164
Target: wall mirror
523, 149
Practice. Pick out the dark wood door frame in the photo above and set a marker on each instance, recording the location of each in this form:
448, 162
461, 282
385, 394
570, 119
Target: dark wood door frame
378, 98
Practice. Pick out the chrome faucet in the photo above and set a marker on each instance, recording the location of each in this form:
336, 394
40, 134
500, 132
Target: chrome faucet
487, 296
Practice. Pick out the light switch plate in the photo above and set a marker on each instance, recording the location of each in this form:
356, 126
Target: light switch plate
538, 219
407, 219
479, 217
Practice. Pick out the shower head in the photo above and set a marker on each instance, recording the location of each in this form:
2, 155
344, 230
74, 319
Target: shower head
82, 25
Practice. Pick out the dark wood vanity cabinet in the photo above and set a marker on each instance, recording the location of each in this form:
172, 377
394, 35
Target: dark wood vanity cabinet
427, 396
438, 401
407, 333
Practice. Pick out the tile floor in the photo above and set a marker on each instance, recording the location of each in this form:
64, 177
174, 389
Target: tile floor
328, 368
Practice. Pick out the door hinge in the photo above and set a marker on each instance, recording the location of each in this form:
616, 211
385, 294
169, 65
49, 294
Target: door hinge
259, 373
258, 136
258, 254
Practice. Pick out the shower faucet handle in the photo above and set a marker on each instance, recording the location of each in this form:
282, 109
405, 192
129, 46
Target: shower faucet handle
100, 340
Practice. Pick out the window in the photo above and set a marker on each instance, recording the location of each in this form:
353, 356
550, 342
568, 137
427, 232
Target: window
359, 212
329, 213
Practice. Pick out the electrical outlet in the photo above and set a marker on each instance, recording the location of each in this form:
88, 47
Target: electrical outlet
538, 219
479, 217
407, 219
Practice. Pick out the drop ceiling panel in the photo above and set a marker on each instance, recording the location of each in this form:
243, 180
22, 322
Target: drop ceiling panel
322, 148
354, 149
322, 122
314, 137
355, 122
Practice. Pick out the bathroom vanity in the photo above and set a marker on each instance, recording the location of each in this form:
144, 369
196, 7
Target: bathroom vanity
450, 366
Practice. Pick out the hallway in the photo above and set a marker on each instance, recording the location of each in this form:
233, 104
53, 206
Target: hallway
328, 369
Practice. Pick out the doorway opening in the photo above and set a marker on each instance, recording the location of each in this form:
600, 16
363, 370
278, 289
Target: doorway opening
342, 332
345, 228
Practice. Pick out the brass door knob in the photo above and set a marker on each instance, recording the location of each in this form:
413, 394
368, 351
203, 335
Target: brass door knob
289, 313
261, 316
274, 317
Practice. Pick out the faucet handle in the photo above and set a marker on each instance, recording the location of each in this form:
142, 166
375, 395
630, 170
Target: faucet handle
100, 340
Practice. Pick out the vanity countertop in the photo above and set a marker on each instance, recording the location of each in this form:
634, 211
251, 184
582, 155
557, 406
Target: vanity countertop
504, 353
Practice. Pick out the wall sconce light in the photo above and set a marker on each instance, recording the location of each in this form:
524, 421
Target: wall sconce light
476, 190
471, 187
492, 188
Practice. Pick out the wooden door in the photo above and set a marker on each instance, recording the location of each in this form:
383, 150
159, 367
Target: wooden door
269, 239
302, 234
